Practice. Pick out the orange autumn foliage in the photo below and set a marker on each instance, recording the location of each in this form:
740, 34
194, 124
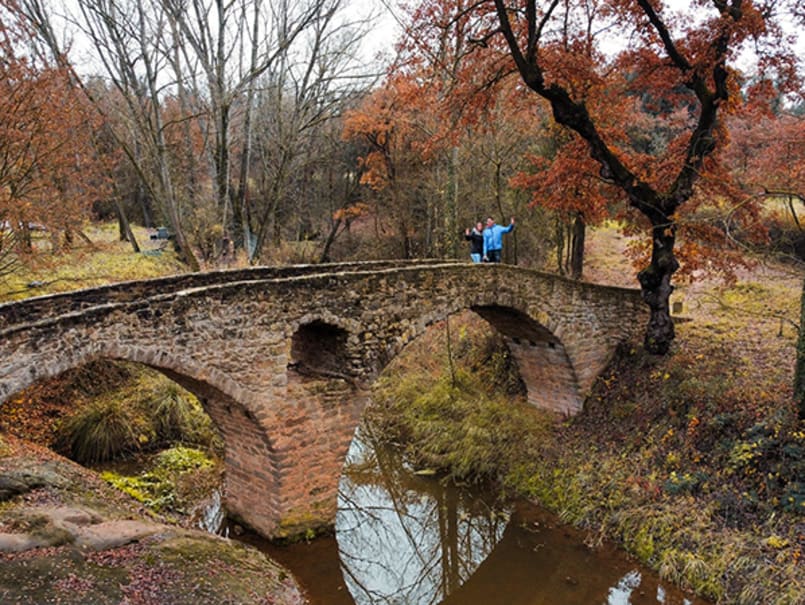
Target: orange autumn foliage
51, 170
645, 85
397, 128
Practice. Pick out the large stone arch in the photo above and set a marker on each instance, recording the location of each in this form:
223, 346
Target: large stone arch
312, 413
545, 362
251, 492
250, 495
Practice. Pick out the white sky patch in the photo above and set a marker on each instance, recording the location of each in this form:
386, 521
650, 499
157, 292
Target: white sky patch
385, 28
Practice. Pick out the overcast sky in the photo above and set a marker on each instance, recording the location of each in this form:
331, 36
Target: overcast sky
388, 29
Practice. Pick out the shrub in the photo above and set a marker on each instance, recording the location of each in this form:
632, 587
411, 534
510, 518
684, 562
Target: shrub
182, 459
178, 416
102, 430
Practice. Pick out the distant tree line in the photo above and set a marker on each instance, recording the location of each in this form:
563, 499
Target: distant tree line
256, 128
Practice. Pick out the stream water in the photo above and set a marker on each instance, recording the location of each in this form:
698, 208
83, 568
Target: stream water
406, 539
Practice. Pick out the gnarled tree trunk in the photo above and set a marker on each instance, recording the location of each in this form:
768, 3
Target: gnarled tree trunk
655, 283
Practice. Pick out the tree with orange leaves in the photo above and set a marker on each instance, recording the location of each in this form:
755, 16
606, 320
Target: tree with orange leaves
562, 178
396, 125
50, 171
767, 156
444, 140
682, 63
766, 151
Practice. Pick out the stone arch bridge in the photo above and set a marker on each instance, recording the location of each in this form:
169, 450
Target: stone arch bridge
282, 358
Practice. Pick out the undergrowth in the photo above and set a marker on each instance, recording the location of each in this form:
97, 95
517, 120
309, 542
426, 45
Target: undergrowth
173, 483
146, 413
455, 427
689, 461
106, 410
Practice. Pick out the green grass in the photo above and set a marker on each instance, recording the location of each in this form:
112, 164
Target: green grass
107, 260
455, 427
174, 482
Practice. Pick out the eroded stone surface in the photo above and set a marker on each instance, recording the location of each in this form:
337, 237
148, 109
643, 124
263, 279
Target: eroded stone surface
79, 526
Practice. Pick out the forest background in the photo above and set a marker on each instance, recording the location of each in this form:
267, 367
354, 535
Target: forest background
259, 130
256, 132
259, 133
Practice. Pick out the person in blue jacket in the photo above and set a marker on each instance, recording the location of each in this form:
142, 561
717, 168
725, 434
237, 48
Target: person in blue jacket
493, 239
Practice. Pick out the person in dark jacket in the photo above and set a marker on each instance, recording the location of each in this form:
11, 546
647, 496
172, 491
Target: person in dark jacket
476, 239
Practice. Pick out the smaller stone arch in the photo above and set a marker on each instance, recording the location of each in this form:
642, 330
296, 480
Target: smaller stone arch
543, 362
320, 349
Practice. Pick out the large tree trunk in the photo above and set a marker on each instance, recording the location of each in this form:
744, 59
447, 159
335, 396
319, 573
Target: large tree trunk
799, 373
241, 227
325, 253
221, 161
577, 246
451, 209
405, 240
655, 282
240, 211
143, 200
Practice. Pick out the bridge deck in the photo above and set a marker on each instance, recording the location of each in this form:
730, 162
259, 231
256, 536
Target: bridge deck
51, 305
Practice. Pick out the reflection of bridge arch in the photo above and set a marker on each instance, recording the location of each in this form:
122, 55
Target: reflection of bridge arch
540, 560
282, 357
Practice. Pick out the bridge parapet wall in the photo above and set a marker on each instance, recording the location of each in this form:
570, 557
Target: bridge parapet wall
52, 305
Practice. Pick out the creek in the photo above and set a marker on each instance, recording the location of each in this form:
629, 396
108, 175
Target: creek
405, 538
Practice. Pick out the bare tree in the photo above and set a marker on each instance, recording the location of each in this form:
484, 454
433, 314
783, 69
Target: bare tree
234, 43
128, 40
297, 96
183, 79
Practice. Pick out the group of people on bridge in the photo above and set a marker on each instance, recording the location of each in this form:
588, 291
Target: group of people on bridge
486, 243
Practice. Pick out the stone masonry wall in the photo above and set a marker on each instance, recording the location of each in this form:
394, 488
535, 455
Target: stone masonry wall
550, 379
287, 423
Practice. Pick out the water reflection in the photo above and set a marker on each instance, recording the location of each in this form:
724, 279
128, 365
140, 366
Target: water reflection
209, 515
403, 538
621, 593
